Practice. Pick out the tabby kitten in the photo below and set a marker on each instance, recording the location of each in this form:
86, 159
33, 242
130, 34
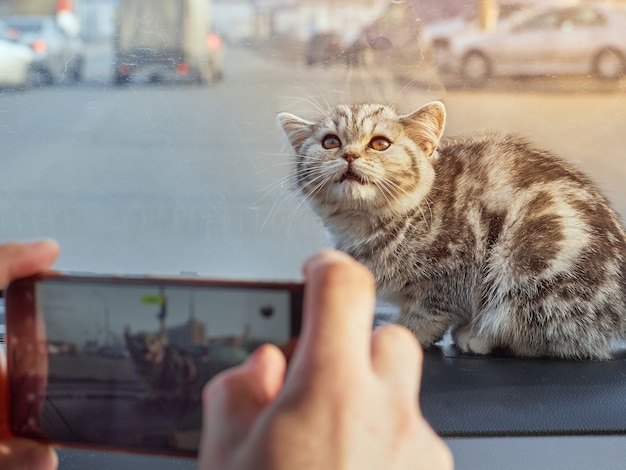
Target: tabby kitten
505, 243
169, 371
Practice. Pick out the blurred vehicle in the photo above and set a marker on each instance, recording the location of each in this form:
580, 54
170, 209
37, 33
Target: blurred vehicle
585, 39
166, 41
15, 62
323, 49
436, 36
215, 46
395, 34
59, 55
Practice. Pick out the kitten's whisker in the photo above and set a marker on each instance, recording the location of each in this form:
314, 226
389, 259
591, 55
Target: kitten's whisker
398, 189
291, 194
430, 209
382, 184
311, 194
395, 100
269, 154
310, 99
441, 189
318, 105
280, 183
423, 216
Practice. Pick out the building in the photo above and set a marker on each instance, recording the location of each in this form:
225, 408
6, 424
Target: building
191, 333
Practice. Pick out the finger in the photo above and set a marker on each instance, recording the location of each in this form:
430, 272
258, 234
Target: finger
234, 399
338, 313
22, 454
397, 358
23, 259
267, 372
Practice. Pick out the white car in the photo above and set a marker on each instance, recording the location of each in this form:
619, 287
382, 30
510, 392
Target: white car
585, 39
436, 36
15, 62
59, 55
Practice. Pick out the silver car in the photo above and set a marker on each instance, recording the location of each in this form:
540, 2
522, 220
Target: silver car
557, 40
15, 61
59, 56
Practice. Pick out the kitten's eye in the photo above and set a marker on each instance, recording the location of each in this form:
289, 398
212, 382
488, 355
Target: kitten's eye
331, 142
380, 143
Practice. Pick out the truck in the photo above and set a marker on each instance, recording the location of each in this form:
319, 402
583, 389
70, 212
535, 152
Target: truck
165, 41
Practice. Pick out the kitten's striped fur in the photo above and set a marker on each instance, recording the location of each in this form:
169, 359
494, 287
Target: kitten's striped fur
504, 242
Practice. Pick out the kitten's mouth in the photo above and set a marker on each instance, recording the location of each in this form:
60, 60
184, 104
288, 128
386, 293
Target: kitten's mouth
350, 175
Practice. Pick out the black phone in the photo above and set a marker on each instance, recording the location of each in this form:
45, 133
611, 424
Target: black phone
118, 363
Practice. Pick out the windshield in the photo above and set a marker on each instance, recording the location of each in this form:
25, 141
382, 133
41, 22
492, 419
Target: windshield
145, 140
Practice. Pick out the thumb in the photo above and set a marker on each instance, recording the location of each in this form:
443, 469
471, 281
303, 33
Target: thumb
23, 259
22, 454
233, 401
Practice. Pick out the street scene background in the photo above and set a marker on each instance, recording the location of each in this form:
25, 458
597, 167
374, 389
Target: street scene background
165, 178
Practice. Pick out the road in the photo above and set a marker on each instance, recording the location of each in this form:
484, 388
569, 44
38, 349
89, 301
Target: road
169, 179
152, 179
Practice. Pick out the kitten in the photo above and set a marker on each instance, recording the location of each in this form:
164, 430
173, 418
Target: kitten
505, 243
169, 371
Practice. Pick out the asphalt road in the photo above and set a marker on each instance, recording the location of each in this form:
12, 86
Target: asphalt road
168, 179
164, 179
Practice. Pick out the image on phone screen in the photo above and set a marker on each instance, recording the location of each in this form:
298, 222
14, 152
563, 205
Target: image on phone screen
127, 363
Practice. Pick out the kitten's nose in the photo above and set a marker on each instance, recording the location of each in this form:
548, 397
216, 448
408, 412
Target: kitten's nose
350, 157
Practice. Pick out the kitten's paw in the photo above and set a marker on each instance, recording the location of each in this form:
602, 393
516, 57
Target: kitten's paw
468, 342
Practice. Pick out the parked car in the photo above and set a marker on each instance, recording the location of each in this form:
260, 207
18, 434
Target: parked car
59, 56
15, 61
585, 39
436, 36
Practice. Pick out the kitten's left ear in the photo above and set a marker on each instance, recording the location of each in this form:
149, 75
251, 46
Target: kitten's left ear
425, 126
297, 129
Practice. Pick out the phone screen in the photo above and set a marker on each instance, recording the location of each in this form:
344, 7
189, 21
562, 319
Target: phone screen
126, 363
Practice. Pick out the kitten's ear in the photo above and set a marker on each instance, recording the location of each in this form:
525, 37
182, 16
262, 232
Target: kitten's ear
425, 126
297, 129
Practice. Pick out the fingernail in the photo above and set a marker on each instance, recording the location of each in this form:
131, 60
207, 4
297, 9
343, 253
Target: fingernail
45, 244
43, 241
254, 356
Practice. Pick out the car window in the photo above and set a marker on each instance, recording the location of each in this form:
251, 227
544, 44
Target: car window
24, 25
145, 138
585, 17
551, 20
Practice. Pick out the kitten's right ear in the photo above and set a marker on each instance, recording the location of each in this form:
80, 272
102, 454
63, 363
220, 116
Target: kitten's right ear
425, 126
296, 129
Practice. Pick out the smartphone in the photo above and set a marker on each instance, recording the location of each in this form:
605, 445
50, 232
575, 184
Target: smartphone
118, 363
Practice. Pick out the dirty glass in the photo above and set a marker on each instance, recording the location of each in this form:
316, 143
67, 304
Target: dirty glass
143, 138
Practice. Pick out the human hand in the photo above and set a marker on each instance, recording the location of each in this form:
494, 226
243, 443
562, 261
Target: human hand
20, 260
348, 401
